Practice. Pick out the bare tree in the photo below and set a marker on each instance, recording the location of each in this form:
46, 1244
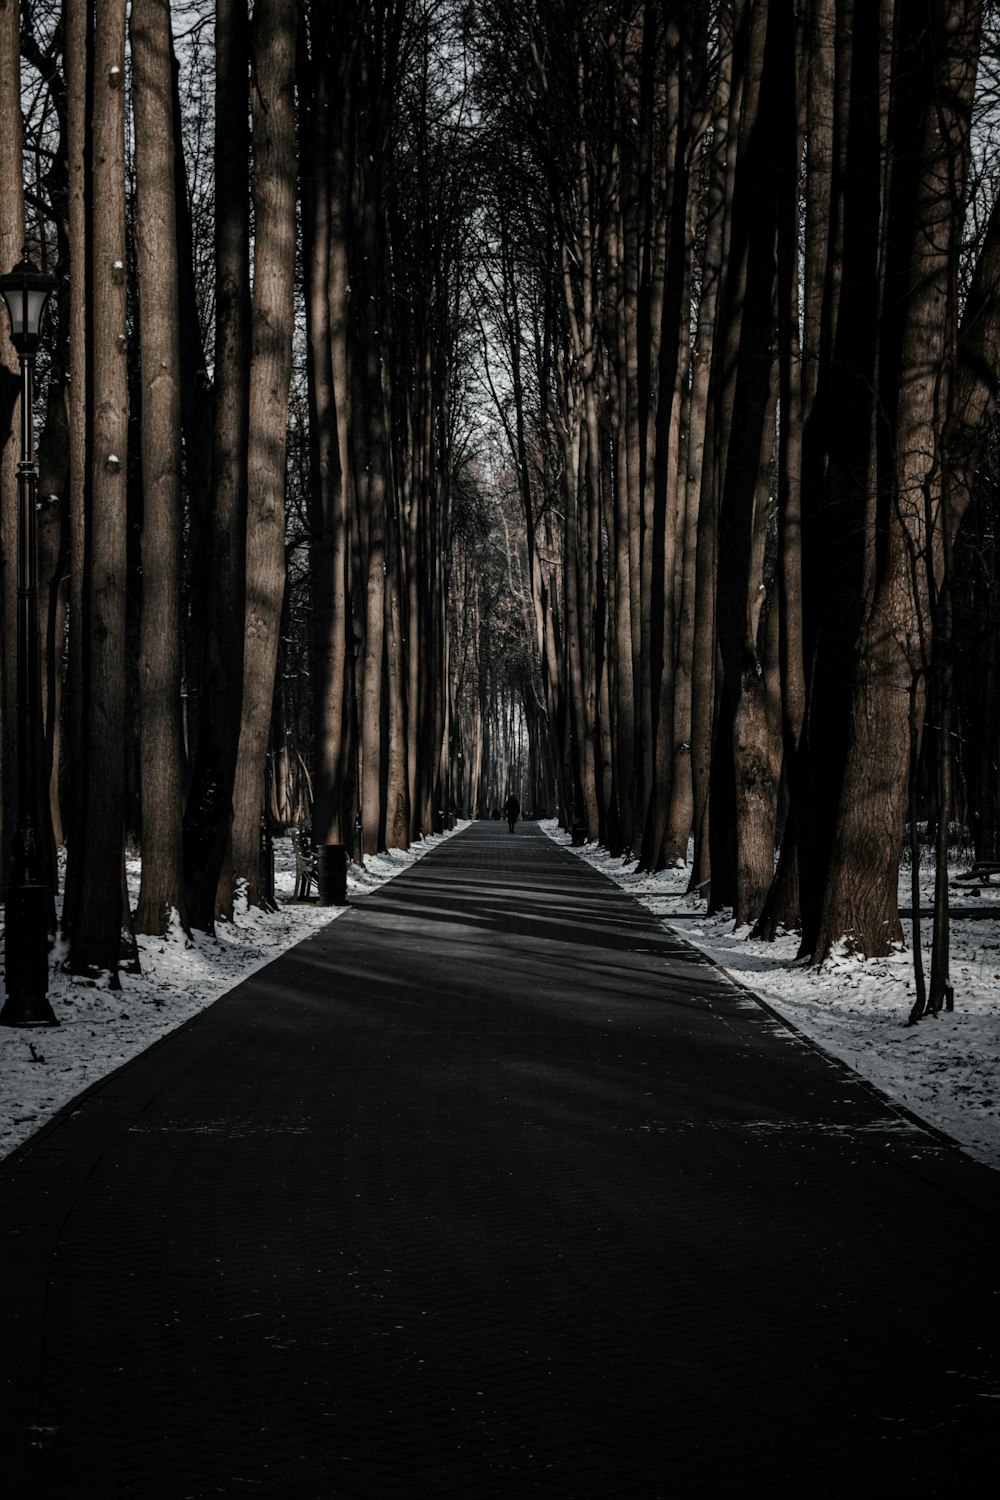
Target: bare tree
326, 102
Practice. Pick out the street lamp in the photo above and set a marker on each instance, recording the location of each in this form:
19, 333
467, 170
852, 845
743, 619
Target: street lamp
26, 290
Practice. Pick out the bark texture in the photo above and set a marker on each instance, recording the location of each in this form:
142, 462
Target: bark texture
162, 767
274, 153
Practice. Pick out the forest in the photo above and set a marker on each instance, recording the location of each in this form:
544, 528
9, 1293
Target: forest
594, 399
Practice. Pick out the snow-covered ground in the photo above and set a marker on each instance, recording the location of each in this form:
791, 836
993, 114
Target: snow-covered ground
41, 1069
946, 1069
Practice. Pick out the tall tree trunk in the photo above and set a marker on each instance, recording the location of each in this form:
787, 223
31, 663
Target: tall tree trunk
412, 546
78, 112
631, 693
757, 720
704, 668
680, 818
53, 556
672, 531
96, 935
11, 243
274, 152
325, 191
208, 813
749, 297
838, 469
375, 498
796, 388
972, 410
162, 768
197, 423
397, 828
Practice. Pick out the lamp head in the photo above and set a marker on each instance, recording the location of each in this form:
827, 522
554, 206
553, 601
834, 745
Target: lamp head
26, 290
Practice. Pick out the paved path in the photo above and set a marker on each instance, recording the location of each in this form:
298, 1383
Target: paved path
495, 1188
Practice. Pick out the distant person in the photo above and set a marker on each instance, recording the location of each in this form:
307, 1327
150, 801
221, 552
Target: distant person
512, 808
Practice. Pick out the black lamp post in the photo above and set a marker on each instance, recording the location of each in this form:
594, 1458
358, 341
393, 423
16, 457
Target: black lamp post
358, 830
26, 290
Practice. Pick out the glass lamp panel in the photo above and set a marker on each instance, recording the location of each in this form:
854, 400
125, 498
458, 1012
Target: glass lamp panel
36, 301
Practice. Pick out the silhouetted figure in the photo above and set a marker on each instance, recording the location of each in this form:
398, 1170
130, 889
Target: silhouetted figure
511, 807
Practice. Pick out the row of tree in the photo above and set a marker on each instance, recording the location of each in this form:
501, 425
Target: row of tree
745, 348
254, 217
719, 276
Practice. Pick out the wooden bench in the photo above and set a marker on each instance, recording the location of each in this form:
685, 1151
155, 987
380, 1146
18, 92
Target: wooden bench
981, 871
305, 863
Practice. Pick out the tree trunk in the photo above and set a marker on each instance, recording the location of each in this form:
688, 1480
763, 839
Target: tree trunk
325, 190
781, 906
375, 500
714, 425
78, 73
208, 813
749, 298
273, 100
672, 531
162, 768
197, 417
53, 556
681, 815
96, 935
757, 760
11, 243
397, 823
841, 368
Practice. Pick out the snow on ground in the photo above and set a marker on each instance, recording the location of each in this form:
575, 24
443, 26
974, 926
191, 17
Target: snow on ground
43, 1068
946, 1069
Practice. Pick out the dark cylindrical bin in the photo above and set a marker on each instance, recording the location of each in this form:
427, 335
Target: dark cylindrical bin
331, 874
579, 835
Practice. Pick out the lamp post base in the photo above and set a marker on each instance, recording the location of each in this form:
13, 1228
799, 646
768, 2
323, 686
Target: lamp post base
26, 957
28, 1010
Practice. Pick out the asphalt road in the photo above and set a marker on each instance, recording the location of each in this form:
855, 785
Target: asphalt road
494, 1188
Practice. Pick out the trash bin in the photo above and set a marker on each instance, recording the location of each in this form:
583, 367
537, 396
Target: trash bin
579, 835
331, 874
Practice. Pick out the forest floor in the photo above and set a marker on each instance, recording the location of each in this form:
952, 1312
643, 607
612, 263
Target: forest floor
946, 1069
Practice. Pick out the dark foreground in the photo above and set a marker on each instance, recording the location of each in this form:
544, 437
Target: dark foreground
494, 1188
